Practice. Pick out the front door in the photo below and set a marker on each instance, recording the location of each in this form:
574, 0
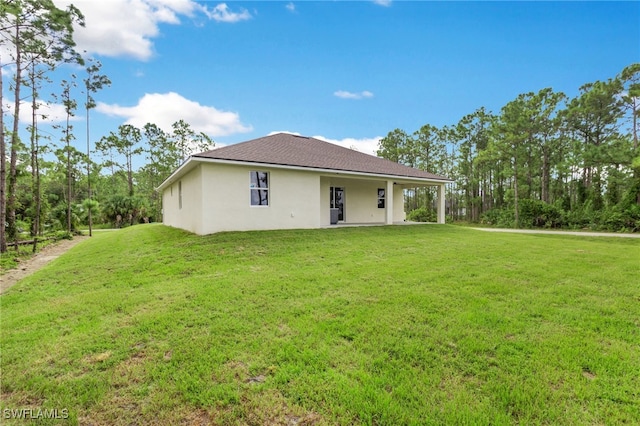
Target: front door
337, 201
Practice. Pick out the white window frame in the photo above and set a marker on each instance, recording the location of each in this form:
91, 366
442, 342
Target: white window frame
383, 198
253, 187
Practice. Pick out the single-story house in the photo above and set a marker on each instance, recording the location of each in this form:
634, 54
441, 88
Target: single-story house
284, 181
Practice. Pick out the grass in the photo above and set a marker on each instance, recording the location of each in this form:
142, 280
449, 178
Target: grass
377, 325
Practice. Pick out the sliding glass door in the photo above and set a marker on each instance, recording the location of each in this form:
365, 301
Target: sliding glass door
337, 201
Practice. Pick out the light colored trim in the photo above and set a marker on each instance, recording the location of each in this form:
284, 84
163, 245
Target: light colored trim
441, 204
325, 172
177, 173
389, 203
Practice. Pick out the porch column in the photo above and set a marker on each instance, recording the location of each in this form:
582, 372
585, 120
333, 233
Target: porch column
441, 203
388, 195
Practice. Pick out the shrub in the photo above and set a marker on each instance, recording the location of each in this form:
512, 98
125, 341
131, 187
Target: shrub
62, 235
576, 219
58, 217
538, 214
619, 219
23, 226
502, 218
422, 214
124, 210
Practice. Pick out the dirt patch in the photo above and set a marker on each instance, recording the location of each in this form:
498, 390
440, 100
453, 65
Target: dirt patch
46, 255
99, 357
21, 398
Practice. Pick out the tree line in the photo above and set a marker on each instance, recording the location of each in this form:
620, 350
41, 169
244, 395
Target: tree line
47, 184
544, 160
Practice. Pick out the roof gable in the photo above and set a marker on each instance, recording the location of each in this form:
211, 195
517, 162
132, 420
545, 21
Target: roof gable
291, 150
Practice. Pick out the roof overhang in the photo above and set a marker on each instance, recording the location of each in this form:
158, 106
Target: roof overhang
193, 162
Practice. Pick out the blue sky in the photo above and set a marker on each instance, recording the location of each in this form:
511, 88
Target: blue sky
347, 71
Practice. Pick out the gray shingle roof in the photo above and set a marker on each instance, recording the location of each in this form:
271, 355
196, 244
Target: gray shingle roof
301, 151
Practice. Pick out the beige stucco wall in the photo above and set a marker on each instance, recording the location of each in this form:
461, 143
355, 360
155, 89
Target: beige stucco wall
325, 214
294, 200
188, 217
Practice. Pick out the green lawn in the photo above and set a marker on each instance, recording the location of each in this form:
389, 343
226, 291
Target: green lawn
378, 325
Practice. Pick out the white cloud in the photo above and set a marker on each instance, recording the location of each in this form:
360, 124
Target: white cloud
164, 109
127, 27
221, 13
284, 131
385, 3
364, 145
46, 112
291, 7
352, 95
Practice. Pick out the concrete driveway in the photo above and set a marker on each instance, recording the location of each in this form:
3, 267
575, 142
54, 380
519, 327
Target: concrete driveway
578, 233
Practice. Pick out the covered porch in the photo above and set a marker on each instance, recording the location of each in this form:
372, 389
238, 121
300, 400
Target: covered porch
361, 201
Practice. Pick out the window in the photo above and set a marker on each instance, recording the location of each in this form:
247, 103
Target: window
259, 188
179, 194
381, 198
